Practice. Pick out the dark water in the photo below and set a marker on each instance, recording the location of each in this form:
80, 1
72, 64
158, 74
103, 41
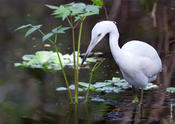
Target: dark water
29, 96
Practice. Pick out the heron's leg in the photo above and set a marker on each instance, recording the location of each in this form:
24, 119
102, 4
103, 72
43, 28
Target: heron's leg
135, 95
141, 97
141, 104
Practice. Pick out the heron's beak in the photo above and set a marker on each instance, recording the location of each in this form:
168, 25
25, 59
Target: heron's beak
90, 47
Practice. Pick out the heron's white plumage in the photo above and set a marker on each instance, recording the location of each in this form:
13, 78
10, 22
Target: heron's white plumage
138, 61
145, 58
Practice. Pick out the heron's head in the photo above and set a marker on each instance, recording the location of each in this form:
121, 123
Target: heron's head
98, 32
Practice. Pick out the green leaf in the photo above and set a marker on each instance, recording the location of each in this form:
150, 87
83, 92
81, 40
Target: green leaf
57, 30
93, 9
75, 11
83, 84
78, 5
23, 26
33, 29
97, 100
17, 64
81, 97
63, 29
43, 56
98, 53
150, 86
52, 6
77, 18
62, 12
72, 87
98, 3
89, 10
28, 57
91, 59
47, 61
61, 89
60, 30
47, 36
171, 89
101, 84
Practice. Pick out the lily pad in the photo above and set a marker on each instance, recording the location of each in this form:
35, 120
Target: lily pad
108, 86
48, 60
72, 87
101, 84
171, 89
150, 86
98, 100
61, 89
115, 85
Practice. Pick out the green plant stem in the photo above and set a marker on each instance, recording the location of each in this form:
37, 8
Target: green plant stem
44, 34
76, 114
55, 38
79, 39
64, 74
96, 66
61, 65
75, 69
90, 80
74, 59
77, 63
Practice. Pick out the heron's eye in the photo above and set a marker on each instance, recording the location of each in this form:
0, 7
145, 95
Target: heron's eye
99, 35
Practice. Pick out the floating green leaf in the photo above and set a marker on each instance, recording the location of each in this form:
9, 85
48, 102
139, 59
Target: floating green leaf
61, 89
17, 64
115, 85
81, 97
150, 86
91, 59
97, 100
106, 86
72, 87
171, 89
83, 84
28, 57
101, 84
33, 29
46, 60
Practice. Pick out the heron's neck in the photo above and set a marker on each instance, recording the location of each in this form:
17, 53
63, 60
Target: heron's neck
117, 53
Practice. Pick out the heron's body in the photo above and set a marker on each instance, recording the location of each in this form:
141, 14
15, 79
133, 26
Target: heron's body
142, 63
138, 61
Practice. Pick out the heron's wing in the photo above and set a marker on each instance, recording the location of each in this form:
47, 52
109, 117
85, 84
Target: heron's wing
147, 57
140, 49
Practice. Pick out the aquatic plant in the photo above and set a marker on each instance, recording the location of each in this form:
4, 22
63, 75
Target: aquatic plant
74, 14
171, 89
116, 85
48, 61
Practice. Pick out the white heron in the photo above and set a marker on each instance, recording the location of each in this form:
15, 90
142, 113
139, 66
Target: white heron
138, 61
